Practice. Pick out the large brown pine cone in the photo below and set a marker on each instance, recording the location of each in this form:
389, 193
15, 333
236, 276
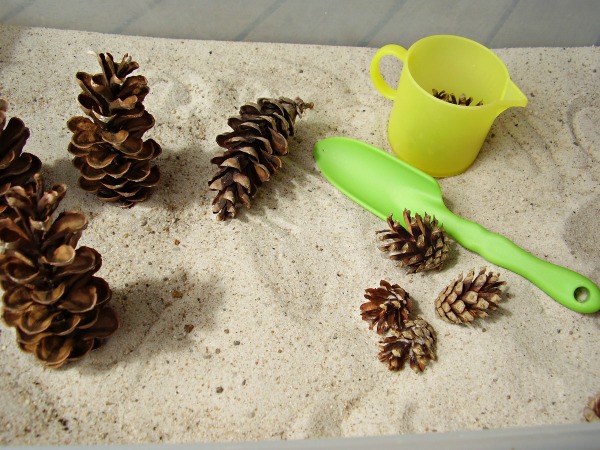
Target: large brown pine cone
114, 161
252, 150
415, 343
467, 298
59, 309
389, 307
419, 246
16, 167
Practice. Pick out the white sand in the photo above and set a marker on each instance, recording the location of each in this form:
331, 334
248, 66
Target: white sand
273, 295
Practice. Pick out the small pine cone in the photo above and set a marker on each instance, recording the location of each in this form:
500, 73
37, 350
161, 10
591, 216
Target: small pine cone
114, 161
451, 98
16, 167
59, 309
414, 343
389, 307
592, 411
467, 298
252, 150
420, 246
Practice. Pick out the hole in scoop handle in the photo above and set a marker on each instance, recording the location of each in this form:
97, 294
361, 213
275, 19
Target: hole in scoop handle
567, 287
378, 81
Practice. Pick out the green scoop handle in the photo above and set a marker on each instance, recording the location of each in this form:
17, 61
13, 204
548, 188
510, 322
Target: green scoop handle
384, 185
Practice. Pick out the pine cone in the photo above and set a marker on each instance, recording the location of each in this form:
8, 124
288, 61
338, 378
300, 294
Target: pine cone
252, 151
16, 167
467, 298
451, 98
420, 246
59, 309
114, 161
414, 343
592, 411
389, 307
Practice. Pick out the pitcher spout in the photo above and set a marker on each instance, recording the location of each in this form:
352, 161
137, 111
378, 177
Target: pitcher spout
512, 97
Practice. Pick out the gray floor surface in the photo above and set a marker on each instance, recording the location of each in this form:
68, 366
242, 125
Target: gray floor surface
364, 23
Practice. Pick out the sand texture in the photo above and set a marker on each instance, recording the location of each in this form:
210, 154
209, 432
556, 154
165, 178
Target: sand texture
278, 349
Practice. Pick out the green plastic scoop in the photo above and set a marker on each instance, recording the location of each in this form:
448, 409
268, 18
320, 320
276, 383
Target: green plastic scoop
384, 185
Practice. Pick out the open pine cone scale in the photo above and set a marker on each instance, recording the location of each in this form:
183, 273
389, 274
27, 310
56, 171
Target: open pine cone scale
114, 176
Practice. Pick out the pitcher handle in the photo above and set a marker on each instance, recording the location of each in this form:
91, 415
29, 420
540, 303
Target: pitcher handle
380, 84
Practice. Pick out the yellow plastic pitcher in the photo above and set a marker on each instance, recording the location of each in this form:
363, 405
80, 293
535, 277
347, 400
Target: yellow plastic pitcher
438, 137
